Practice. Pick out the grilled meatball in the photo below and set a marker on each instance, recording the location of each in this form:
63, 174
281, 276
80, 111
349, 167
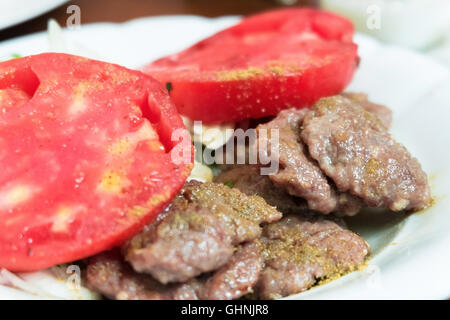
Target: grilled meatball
247, 179
109, 274
237, 277
354, 149
301, 250
383, 113
198, 232
299, 174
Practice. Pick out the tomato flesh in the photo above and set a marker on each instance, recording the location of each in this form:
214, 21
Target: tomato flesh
85, 152
266, 63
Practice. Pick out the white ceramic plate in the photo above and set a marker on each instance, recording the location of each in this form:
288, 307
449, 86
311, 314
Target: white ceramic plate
13, 12
411, 257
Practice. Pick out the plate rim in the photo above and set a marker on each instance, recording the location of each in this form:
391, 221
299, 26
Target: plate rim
25, 17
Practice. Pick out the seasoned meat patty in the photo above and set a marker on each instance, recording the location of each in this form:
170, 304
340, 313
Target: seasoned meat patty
355, 150
237, 277
301, 250
109, 274
298, 173
383, 113
198, 232
247, 179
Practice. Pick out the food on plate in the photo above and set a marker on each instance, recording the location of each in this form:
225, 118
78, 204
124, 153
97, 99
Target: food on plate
97, 166
114, 278
248, 179
194, 256
383, 113
266, 63
109, 274
12, 98
211, 137
69, 153
201, 172
198, 233
318, 248
338, 157
301, 250
298, 174
355, 150
208, 228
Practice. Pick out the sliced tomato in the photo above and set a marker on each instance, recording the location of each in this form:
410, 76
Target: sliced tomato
86, 157
268, 62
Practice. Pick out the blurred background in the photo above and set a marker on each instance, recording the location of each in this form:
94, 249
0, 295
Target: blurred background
417, 24
123, 10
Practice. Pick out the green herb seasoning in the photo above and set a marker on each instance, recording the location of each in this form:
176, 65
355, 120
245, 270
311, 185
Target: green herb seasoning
169, 86
229, 184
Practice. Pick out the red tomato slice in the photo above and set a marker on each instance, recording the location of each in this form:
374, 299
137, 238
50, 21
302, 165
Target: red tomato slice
266, 63
86, 157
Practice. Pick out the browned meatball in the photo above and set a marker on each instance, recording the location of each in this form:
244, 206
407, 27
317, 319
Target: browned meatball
247, 179
237, 277
110, 275
301, 250
355, 150
383, 113
298, 173
198, 232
